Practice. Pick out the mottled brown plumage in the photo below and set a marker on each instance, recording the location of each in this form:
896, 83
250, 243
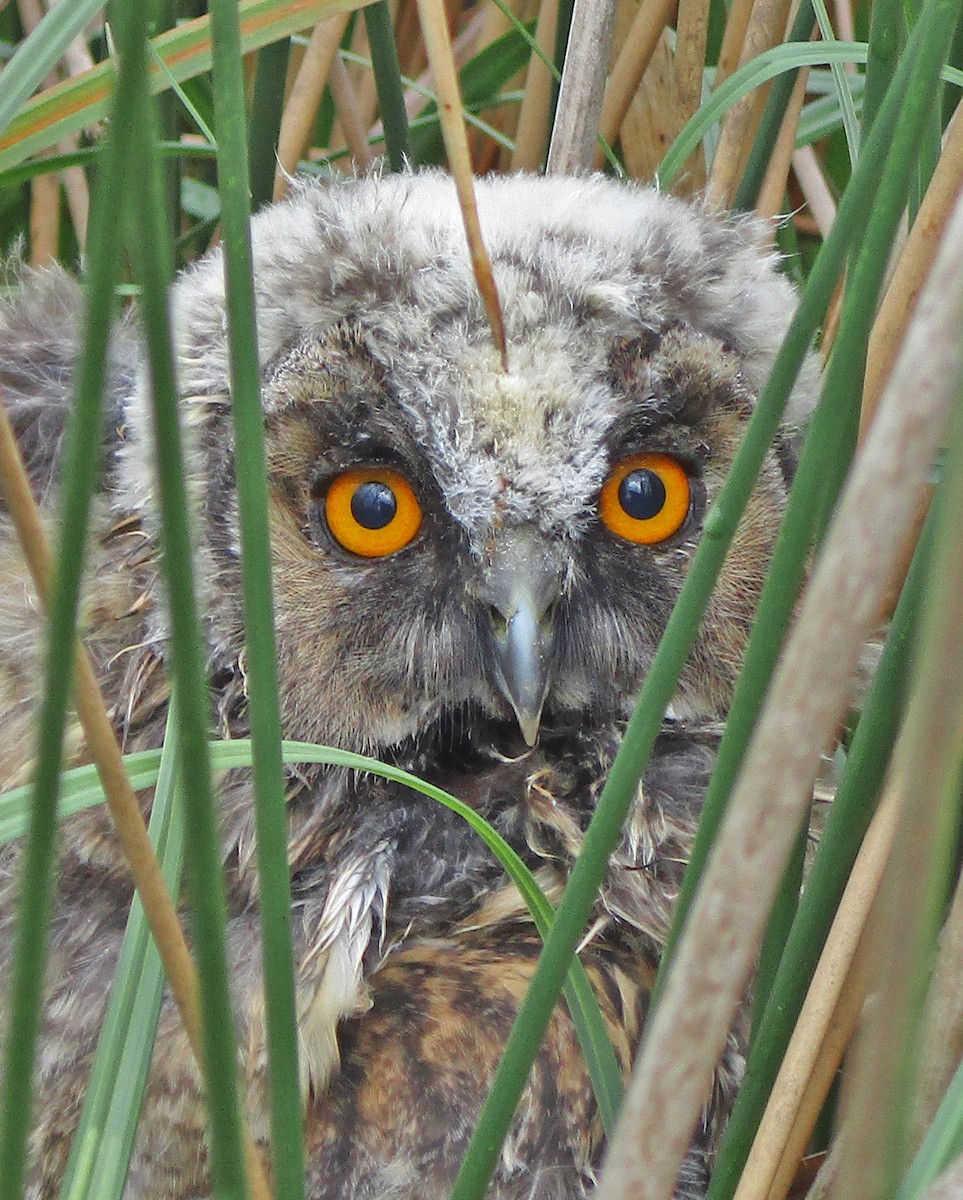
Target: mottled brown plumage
636, 325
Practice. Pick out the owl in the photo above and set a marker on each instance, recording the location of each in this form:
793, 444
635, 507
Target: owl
472, 567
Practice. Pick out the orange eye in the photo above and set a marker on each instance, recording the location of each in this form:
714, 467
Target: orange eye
372, 511
645, 499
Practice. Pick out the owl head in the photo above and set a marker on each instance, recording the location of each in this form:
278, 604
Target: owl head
457, 547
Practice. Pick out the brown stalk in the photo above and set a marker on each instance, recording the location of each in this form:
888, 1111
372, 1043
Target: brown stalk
411, 47
434, 28
363, 80
912, 268
305, 98
629, 67
45, 189
776, 1142
884, 1060
733, 39
348, 109
531, 133
813, 1101
772, 194
809, 692
692, 30
654, 120
121, 800
766, 28
813, 185
690, 52
575, 133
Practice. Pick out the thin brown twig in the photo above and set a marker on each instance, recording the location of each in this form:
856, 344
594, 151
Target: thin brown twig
121, 800
772, 195
348, 109
305, 97
912, 268
441, 58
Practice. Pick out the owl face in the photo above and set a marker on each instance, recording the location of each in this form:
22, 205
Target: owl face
458, 548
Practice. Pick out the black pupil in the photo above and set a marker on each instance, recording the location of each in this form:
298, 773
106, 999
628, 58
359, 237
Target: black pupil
374, 505
642, 495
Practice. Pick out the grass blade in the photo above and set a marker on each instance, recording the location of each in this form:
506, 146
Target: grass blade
252, 492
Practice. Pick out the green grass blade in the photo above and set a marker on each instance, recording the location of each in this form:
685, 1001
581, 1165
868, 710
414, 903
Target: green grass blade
841, 79
85, 99
261, 651
387, 73
38, 54
80, 465
942, 1144
102, 1146
768, 65
886, 36
267, 105
152, 253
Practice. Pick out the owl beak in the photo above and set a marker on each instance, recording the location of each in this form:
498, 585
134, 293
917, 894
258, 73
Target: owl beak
521, 586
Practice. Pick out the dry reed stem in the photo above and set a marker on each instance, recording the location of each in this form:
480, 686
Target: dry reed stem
121, 800
692, 33
363, 80
575, 134
418, 98
44, 219
653, 122
813, 1101
810, 689
306, 92
844, 27
767, 28
815, 189
347, 107
884, 1061
772, 194
820, 1011
434, 28
912, 268
531, 132
411, 47
943, 1025
629, 67
733, 39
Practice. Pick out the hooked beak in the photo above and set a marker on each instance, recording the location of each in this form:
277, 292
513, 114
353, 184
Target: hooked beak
521, 585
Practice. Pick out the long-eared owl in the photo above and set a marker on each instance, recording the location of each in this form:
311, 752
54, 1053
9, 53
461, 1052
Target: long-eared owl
472, 569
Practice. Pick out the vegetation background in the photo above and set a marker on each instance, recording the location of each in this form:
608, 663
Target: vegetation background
839, 128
